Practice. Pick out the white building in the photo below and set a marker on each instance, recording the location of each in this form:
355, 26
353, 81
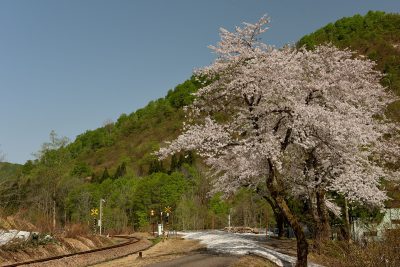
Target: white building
362, 231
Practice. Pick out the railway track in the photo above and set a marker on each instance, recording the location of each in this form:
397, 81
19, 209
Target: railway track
130, 240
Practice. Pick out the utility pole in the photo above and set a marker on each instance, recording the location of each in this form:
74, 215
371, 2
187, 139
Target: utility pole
229, 219
266, 224
54, 215
152, 221
101, 213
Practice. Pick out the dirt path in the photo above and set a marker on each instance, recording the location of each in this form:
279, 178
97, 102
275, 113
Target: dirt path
207, 260
181, 252
286, 246
199, 260
164, 251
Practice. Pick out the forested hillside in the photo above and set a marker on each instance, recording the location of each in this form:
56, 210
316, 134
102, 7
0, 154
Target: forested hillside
375, 35
9, 170
9, 174
132, 138
115, 162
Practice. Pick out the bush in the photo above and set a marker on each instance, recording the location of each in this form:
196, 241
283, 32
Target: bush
76, 229
370, 254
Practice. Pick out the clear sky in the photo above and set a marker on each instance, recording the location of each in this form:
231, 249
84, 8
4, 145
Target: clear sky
70, 65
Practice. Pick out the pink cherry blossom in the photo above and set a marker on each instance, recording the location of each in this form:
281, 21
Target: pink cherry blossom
317, 115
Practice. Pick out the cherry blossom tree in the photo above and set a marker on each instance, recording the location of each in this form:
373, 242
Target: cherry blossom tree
303, 123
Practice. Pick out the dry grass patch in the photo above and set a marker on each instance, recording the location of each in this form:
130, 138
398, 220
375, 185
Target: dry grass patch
253, 261
385, 253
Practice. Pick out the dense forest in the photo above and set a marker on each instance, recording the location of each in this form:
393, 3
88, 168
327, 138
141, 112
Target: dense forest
116, 162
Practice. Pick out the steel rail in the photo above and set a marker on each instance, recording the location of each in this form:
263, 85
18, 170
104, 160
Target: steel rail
131, 240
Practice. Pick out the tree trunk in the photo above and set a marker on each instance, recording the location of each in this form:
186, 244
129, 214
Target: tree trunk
345, 230
314, 213
325, 233
277, 195
302, 244
280, 219
321, 218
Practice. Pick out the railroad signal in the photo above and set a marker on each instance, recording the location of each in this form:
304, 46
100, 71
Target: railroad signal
94, 212
152, 212
168, 210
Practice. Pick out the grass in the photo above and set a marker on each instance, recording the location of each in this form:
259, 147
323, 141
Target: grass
155, 240
253, 261
370, 254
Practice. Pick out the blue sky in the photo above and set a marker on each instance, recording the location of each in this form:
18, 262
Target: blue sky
70, 65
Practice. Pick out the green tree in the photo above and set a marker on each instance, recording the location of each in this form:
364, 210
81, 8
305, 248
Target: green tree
46, 197
105, 175
218, 211
121, 171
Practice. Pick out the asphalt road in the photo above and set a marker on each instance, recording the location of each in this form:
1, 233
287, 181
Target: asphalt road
199, 260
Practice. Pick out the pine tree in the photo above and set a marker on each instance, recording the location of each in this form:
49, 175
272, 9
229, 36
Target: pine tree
105, 175
121, 171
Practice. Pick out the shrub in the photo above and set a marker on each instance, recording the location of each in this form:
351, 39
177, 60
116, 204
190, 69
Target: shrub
383, 253
76, 229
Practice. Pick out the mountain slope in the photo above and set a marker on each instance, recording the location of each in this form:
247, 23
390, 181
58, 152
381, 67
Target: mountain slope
375, 35
131, 139
9, 170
